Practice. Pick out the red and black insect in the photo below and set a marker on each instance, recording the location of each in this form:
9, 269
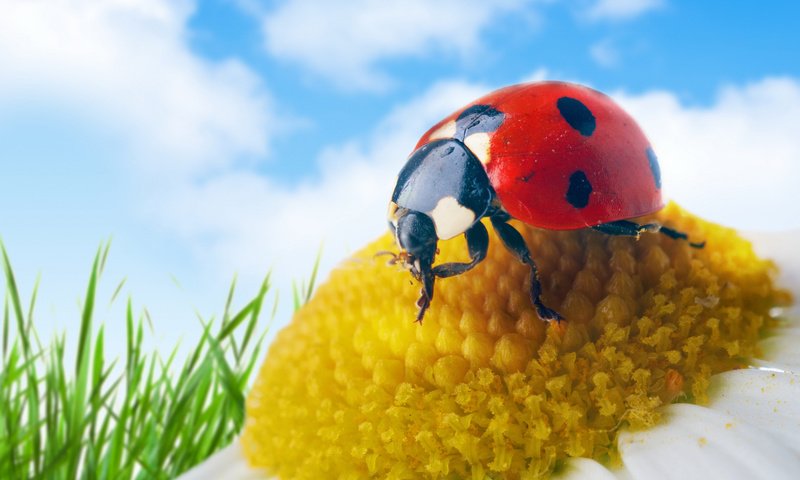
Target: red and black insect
554, 155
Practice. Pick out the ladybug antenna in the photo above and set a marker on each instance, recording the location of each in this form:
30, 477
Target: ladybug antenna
395, 258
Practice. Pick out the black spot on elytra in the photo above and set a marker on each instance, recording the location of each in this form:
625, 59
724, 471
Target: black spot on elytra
579, 189
577, 115
653, 161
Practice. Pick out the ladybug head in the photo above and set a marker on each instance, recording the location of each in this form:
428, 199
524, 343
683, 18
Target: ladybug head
415, 234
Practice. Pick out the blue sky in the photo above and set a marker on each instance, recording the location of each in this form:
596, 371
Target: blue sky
219, 137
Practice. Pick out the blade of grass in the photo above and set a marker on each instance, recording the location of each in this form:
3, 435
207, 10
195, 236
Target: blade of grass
33, 297
117, 290
6, 323
312, 280
104, 256
86, 317
11, 288
251, 325
75, 424
229, 383
228, 302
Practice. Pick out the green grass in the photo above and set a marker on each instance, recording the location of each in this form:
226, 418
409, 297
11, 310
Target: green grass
145, 415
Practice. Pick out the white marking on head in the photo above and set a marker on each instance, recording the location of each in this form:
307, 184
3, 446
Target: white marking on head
451, 218
479, 144
448, 130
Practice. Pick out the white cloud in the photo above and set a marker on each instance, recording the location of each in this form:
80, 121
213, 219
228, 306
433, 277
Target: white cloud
539, 75
736, 161
129, 61
622, 9
605, 54
345, 41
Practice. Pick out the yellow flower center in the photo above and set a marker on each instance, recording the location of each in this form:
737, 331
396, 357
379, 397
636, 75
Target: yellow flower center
483, 388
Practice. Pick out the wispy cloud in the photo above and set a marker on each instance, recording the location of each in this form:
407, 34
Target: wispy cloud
346, 41
605, 53
622, 9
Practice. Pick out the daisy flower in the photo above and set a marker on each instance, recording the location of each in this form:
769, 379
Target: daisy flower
674, 363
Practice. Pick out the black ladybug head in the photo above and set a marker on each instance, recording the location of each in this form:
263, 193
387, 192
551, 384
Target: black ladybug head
416, 236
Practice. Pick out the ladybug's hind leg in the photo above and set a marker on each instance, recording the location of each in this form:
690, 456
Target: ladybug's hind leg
477, 244
633, 229
516, 244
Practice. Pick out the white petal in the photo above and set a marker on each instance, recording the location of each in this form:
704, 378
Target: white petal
763, 399
229, 463
583, 468
782, 248
781, 350
699, 443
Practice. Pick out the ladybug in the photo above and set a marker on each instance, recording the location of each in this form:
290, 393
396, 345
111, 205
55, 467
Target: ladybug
554, 155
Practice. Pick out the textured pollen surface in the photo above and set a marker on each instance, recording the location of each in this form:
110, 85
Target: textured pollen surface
483, 389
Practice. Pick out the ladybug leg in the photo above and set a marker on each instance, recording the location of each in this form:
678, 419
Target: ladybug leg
633, 229
477, 244
680, 235
516, 244
426, 292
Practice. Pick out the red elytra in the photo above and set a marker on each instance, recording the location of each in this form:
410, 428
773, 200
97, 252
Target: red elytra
535, 151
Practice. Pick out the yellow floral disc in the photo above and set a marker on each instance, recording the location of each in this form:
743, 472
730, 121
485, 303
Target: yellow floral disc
483, 389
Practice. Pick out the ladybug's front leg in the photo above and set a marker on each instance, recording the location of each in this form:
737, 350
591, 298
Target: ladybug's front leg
477, 244
516, 244
427, 278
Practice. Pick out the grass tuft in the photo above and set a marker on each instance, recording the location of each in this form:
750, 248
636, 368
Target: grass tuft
147, 417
